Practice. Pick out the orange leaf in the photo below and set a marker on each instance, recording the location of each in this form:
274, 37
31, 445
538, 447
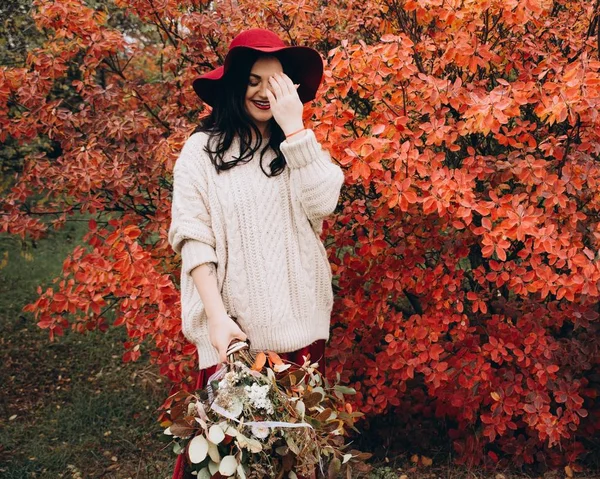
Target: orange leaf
274, 358
259, 362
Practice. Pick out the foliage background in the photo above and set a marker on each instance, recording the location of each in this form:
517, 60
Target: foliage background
465, 246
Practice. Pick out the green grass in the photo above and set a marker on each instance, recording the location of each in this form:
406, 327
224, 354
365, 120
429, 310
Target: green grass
70, 405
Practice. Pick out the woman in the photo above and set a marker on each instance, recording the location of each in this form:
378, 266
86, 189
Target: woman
250, 191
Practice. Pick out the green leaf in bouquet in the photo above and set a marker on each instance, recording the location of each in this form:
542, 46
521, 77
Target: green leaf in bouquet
204, 474
228, 466
214, 384
344, 390
350, 416
178, 448
198, 449
213, 468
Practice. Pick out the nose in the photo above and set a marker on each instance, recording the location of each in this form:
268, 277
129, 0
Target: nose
263, 89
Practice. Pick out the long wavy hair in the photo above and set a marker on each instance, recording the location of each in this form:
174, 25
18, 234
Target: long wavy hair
229, 119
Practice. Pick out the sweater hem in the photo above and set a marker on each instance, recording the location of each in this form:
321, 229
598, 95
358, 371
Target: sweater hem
283, 338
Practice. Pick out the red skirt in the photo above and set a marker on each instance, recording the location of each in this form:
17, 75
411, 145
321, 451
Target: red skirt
316, 351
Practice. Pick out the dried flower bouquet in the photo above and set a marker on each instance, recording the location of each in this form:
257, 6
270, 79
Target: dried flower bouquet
260, 417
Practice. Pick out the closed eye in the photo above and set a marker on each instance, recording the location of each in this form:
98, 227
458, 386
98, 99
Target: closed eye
254, 80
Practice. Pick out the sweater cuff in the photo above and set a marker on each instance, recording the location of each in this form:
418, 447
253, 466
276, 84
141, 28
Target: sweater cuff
194, 253
301, 151
207, 354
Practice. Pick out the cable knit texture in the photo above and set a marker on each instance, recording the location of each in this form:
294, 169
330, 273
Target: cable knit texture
263, 235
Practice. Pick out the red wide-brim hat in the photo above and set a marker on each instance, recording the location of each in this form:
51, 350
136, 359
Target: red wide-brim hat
308, 72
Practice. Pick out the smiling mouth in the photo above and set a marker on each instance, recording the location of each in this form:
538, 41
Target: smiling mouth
261, 105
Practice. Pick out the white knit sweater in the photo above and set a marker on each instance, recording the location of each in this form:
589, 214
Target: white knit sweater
263, 235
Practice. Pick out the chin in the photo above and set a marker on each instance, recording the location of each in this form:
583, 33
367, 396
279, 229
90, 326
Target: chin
259, 116
262, 116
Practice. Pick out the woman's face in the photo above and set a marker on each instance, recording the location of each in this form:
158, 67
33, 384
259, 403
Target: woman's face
256, 102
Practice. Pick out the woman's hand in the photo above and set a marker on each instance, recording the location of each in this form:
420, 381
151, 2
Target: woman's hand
222, 330
285, 103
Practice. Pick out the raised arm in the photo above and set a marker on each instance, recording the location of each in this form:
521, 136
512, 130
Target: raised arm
313, 177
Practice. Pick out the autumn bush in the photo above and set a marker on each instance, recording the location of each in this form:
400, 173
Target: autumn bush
465, 245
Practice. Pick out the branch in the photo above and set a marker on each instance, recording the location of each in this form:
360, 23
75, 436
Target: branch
413, 299
120, 73
161, 24
149, 110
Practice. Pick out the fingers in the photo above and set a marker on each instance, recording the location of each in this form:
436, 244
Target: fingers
287, 84
222, 355
282, 84
276, 85
271, 98
239, 334
234, 335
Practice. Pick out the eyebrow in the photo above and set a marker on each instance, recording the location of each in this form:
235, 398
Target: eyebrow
256, 76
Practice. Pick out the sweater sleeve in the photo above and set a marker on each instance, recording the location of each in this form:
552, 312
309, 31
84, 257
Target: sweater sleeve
312, 174
190, 231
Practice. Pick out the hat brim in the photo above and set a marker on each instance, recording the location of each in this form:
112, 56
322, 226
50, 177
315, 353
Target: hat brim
304, 63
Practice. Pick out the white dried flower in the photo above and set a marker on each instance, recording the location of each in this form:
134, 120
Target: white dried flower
260, 432
257, 396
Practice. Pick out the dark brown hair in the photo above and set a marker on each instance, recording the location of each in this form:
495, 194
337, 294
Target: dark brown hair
229, 120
